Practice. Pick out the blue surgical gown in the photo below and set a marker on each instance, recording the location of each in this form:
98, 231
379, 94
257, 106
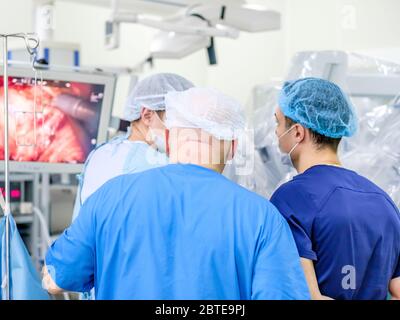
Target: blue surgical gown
348, 226
24, 281
178, 232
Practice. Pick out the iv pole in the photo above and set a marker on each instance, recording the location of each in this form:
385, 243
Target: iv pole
31, 42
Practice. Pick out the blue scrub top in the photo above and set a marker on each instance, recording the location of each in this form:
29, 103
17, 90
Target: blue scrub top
178, 232
348, 226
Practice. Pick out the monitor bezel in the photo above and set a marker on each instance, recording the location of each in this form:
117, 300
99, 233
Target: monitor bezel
98, 78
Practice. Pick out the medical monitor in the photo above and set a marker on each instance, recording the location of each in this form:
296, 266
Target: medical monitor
55, 119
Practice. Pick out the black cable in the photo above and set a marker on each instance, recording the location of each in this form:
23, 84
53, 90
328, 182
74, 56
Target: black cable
223, 10
212, 56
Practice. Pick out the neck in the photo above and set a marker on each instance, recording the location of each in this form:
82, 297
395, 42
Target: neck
215, 167
138, 132
196, 159
313, 157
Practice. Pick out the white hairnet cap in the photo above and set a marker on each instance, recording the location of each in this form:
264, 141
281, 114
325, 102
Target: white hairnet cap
206, 109
150, 93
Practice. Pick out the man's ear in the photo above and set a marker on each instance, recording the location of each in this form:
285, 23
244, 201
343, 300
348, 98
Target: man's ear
146, 115
300, 133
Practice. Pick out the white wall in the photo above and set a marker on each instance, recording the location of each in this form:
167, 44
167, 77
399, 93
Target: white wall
343, 24
252, 59
15, 16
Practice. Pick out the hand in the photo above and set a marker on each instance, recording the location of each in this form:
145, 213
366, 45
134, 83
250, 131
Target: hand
49, 284
325, 298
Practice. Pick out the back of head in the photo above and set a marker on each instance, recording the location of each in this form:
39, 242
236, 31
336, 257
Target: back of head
203, 123
150, 93
320, 106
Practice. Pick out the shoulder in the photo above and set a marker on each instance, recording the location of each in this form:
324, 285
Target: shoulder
240, 191
152, 156
288, 189
114, 189
101, 150
295, 198
370, 187
119, 151
125, 180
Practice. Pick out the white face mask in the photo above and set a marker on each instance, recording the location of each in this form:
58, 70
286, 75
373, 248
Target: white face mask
286, 158
159, 141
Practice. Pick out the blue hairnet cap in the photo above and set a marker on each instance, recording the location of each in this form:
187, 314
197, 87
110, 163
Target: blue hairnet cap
319, 105
150, 93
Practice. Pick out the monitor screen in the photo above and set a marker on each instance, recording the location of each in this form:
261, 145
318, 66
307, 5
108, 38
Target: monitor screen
54, 119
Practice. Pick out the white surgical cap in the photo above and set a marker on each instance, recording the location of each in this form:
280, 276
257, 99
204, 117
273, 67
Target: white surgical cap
206, 109
150, 93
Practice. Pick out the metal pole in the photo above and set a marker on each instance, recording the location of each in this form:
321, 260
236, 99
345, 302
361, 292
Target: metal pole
35, 224
31, 44
6, 169
45, 207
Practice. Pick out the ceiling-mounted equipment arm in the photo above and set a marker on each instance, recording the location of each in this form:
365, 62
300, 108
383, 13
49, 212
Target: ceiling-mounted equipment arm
243, 17
113, 25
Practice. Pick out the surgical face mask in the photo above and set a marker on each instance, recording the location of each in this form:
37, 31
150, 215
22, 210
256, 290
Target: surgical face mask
159, 141
286, 158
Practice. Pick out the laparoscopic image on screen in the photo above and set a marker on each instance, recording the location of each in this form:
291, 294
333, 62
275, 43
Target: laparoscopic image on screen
50, 120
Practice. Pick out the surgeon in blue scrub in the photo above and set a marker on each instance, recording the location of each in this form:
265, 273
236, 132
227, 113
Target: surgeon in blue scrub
347, 229
182, 231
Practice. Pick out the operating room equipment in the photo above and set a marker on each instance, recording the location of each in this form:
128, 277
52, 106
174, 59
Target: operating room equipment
372, 85
79, 109
73, 119
194, 26
186, 26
